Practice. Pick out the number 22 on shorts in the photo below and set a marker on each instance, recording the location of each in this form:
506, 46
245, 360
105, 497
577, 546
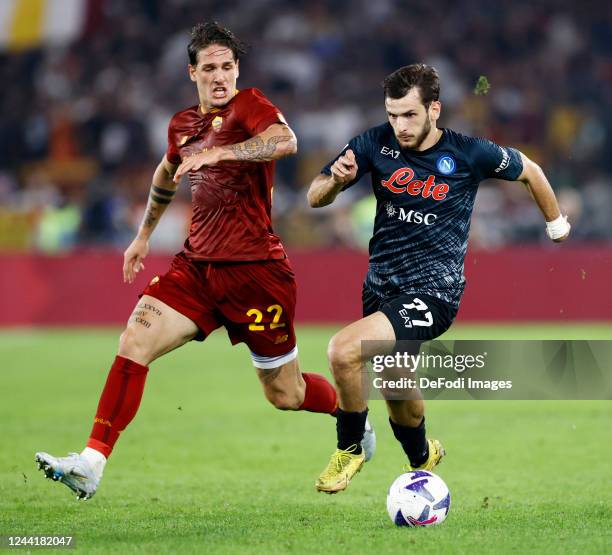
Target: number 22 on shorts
274, 324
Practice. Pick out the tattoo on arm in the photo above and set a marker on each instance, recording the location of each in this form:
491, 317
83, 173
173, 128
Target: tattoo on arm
151, 215
256, 149
162, 196
158, 199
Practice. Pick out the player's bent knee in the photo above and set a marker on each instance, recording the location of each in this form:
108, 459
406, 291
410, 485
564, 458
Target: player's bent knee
134, 346
344, 354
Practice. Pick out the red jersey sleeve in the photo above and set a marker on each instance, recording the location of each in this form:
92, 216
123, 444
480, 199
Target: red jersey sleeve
172, 153
257, 112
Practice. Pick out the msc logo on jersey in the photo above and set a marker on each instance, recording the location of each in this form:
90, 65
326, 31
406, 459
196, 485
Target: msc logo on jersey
410, 216
415, 187
446, 165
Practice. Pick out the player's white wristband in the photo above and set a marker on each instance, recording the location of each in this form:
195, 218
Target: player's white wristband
558, 228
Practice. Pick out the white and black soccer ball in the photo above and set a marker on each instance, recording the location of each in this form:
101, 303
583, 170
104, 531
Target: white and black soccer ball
418, 498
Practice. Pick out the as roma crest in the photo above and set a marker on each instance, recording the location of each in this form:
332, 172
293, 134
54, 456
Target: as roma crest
217, 122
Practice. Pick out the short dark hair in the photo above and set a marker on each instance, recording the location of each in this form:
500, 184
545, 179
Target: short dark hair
210, 32
402, 80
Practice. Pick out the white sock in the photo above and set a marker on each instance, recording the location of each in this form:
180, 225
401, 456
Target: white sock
96, 460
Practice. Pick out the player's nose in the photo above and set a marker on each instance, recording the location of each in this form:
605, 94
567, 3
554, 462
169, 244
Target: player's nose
401, 125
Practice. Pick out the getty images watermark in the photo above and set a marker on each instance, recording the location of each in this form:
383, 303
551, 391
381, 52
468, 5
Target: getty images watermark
488, 370
390, 367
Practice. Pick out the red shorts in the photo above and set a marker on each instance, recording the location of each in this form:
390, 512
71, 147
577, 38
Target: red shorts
255, 301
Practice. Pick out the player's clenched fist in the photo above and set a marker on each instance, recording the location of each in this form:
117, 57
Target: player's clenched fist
344, 169
558, 230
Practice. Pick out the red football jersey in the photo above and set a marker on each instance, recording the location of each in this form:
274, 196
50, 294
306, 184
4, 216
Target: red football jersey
231, 202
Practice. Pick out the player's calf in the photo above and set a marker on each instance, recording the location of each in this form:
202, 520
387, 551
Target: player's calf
287, 388
283, 400
283, 385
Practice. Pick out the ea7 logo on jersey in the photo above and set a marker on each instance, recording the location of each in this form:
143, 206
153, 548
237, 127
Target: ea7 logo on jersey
386, 151
415, 187
419, 306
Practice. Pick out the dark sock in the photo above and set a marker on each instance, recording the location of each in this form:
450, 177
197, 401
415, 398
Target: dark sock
413, 441
350, 427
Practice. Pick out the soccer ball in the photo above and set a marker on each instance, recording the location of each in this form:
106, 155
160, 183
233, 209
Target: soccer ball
418, 498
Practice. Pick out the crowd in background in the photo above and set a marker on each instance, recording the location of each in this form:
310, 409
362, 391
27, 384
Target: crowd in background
83, 126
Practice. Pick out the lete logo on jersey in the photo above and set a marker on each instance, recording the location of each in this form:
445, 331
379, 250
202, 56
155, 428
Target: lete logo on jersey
415, 187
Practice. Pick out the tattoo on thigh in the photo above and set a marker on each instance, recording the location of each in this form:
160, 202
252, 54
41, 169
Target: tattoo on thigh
141, 312
146, 306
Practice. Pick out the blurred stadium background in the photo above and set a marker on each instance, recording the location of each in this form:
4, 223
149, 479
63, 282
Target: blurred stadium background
89, 87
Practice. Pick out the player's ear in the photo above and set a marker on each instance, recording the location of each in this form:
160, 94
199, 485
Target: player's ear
192, 72
237, 69
434, 110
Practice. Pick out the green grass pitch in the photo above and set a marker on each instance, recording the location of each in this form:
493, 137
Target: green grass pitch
208, 466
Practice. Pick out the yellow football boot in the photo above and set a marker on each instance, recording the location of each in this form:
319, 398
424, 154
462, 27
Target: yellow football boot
343, 465
436, 452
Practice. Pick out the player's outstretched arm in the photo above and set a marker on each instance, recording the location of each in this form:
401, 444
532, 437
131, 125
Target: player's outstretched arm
557, 226
276, 142
161, 194
325, 188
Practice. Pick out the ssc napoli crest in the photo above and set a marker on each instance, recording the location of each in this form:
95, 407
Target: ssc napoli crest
446, 164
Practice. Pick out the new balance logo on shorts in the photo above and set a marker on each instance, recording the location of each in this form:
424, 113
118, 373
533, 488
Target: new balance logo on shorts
417, 304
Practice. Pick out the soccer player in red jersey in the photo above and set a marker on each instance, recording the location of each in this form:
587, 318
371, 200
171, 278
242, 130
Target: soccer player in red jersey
233, 271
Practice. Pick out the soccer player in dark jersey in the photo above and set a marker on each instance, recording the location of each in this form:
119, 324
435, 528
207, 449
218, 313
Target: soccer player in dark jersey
233, 271
425, 180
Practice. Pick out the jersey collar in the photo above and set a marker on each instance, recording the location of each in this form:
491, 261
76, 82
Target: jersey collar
203, 113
